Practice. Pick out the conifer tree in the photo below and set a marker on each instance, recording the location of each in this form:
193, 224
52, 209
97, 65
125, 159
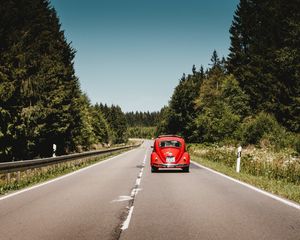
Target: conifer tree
40, 94
264, 57
180, 113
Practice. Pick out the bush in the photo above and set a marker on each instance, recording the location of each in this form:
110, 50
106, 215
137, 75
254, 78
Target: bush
297, 144
280, 139
263, 126
216, 124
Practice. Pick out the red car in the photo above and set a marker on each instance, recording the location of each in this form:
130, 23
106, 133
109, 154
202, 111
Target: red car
169, 151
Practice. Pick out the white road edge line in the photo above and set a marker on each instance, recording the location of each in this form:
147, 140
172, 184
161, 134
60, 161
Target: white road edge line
64, 176
285, 201
125, 225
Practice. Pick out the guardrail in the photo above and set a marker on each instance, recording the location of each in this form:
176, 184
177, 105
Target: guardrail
10, 167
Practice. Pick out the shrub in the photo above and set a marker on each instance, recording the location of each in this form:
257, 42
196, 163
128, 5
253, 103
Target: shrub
280, 139
216, 123
264, 125
297, 144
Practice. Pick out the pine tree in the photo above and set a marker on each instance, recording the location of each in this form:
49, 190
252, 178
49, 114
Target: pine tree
264, 57
194, 69
201, 72
41, 95
215, 60
117, 122
180, 113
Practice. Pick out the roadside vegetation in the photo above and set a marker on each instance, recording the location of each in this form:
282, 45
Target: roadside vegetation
41, 102
256, 85
39, 175
250, 98
274, 171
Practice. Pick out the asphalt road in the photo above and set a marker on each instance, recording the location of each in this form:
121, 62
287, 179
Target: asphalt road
95, 203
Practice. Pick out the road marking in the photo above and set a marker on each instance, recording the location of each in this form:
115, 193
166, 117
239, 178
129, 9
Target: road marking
133, 194
62, 177
138, 182
285, 201
122, 199
135, 191
125, 225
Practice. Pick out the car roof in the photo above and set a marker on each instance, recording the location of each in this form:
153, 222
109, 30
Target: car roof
170, 137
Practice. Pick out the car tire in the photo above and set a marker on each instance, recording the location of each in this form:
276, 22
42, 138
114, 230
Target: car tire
186, 169
154, 169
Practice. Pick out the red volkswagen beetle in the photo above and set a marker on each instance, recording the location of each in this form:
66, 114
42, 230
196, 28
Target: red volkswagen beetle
169, 151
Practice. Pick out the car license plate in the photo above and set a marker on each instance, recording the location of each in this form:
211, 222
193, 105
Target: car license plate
170, 159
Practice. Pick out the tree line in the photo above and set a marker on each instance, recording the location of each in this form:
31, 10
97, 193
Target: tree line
41, 100
251, 95
142, 124
145, 119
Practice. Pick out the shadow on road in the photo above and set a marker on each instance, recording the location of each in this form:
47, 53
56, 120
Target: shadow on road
169, 171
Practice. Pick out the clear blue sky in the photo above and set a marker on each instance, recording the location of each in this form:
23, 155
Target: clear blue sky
132, 53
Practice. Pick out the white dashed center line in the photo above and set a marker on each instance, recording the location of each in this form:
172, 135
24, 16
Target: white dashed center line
133, 194
125, 225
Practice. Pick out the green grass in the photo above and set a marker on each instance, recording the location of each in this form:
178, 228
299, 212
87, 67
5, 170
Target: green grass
263, 178
32, 177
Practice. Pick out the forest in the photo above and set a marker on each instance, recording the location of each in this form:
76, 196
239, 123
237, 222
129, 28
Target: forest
249, 96
145, 119
253, 94
41, 100
142, 124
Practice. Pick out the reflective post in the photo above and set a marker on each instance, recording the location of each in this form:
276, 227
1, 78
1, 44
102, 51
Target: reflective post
8, 178
54, 150
238, 161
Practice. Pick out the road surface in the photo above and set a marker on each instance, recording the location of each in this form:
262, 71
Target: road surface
122, 193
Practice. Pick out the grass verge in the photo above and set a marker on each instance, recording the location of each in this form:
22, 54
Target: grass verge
39, 175
281, 187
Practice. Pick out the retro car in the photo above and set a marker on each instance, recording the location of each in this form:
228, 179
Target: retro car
169, 151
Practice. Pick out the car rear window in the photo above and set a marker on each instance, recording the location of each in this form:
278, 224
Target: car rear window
169, 143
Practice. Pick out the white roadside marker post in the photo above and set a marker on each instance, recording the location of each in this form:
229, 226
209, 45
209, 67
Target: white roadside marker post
238, 161
54, 150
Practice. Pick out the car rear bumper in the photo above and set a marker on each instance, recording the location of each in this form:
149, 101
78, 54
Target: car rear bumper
170, 165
